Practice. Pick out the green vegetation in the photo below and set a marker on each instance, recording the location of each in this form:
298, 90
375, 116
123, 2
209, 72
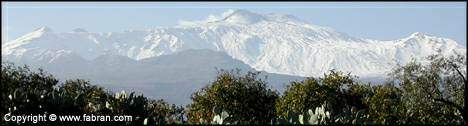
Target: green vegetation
416, 93
26, 92
433, 93
245, 98
340, 95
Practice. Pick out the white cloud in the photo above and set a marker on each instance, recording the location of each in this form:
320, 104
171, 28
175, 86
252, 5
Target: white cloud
228, 12
210, 18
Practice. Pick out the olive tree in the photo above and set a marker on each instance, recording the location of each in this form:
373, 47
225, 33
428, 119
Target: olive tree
433, 92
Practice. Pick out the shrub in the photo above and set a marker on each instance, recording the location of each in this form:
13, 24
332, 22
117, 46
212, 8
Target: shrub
337, 91
26, 92
246, 99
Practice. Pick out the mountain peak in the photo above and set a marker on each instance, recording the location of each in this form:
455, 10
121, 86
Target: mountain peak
247, 17
242, 12
43, 29
418, 35
243, 17
283, 17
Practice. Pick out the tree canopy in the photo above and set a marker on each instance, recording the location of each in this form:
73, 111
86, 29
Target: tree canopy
420, 92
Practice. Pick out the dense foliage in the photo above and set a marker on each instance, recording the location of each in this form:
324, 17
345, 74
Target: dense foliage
416, 93
26, 92
339, 93
245, 98
433, 93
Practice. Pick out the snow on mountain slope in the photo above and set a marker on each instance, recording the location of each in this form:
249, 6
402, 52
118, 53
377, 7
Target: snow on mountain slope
274, 43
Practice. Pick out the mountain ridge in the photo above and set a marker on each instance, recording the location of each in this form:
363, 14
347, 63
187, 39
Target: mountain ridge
275, 43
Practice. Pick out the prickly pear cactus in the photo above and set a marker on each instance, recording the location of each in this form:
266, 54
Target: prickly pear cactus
220, 116
319, 116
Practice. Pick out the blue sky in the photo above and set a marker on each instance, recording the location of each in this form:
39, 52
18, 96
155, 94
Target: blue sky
374, 20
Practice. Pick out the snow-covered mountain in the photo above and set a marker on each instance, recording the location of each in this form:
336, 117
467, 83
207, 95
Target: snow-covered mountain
275, 43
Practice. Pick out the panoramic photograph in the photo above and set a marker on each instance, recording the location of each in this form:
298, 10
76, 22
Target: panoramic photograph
233, 63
